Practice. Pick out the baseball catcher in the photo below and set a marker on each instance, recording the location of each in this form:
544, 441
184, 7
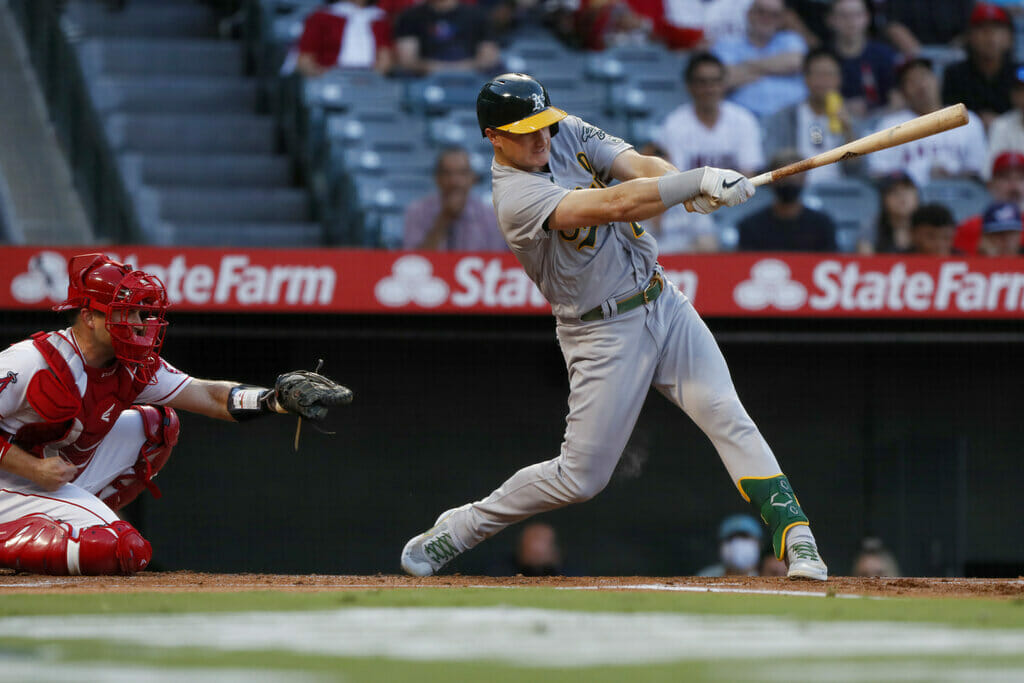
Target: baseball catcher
87, 420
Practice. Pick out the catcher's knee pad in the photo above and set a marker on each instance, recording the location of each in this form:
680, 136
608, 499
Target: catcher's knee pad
42, 545
35, 543
115, 548
161, 426
774, 500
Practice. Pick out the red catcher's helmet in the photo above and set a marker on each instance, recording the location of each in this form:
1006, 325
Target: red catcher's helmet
116, 290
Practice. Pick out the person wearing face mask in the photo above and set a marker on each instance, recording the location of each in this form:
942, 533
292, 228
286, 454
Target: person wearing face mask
739, 549
787, 225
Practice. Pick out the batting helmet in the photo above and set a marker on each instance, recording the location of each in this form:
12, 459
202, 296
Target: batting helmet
516, 103
117, 291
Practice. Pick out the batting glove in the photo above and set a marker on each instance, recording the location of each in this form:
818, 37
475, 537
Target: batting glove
724, 187
702, 203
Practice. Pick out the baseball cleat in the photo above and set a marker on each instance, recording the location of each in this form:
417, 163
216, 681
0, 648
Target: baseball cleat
805, 562
425, 554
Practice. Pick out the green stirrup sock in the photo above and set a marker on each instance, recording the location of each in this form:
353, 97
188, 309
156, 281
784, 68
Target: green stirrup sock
774, 500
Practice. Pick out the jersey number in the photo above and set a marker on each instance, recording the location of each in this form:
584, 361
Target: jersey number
592, 234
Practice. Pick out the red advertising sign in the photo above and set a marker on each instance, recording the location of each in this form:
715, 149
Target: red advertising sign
363, 281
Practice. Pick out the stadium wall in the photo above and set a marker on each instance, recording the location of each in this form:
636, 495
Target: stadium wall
902, 429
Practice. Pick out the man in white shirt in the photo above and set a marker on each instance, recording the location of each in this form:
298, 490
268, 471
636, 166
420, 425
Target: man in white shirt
711, 131
957, 153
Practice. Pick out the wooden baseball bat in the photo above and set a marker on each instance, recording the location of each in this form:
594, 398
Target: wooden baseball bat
952, 116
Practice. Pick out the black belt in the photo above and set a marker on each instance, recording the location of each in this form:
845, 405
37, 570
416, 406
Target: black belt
645, 296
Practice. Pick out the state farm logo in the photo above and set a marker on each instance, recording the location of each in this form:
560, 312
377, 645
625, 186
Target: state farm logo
412, 281
770, 285
46, 278
232, 279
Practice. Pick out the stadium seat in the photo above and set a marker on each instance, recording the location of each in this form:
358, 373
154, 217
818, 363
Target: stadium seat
852, 204
442, 92
962, 197
381, 204
649, 60
457, 128
604, 67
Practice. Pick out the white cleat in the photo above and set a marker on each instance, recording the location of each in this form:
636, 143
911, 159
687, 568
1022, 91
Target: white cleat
425, 554
805, 562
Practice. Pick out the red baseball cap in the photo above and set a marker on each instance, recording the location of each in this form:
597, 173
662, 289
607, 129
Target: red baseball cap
985, 13
1008, 161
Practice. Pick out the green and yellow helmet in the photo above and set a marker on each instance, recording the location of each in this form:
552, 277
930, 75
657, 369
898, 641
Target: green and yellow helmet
516, 103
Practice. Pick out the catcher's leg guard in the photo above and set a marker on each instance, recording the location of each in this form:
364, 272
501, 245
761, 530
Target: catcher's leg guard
41, 545
115, 548
774, 500
35, 543
161, 426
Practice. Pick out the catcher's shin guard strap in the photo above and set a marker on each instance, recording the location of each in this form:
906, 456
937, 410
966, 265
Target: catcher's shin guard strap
774, 500
246, 402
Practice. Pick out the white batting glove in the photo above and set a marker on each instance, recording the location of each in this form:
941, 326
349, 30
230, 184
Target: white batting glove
702, 203
725, 187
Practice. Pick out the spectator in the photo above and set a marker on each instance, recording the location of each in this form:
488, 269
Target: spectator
874, 559
678, 230
1007, 131
537, 553
817, 124
709, 131
739, 547
983, 80
909, 24
602, 24
1005, 185
1000, 230
787, 225
868, 66
770, 565
508, 17
931, 231
350, 34
763, 66
898, 199
716, 19
807, 18
453, 219
956, 153
444, 35
694, 24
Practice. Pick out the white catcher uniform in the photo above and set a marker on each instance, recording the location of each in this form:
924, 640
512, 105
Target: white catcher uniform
612, 360
103, 442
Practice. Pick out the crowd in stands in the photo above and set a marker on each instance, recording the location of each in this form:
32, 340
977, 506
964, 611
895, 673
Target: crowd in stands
766, 81
743, 551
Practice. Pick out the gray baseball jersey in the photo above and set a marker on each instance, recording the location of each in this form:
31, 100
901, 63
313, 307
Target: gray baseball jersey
580, 269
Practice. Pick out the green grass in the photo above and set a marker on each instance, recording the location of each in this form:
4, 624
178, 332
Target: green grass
962, 613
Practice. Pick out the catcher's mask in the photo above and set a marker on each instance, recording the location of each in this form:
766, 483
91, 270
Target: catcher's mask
132, 302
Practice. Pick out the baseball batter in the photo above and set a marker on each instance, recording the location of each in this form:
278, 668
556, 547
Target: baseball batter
87, 419
621, 324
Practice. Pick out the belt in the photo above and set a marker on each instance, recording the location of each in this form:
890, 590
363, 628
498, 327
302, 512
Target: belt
644, 296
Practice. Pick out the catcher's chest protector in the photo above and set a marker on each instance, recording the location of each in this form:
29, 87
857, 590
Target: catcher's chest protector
72, 418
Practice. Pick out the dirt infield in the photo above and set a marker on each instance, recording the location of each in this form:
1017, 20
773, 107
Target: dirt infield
184, 581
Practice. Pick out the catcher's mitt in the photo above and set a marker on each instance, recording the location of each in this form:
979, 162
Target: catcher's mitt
308, 394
